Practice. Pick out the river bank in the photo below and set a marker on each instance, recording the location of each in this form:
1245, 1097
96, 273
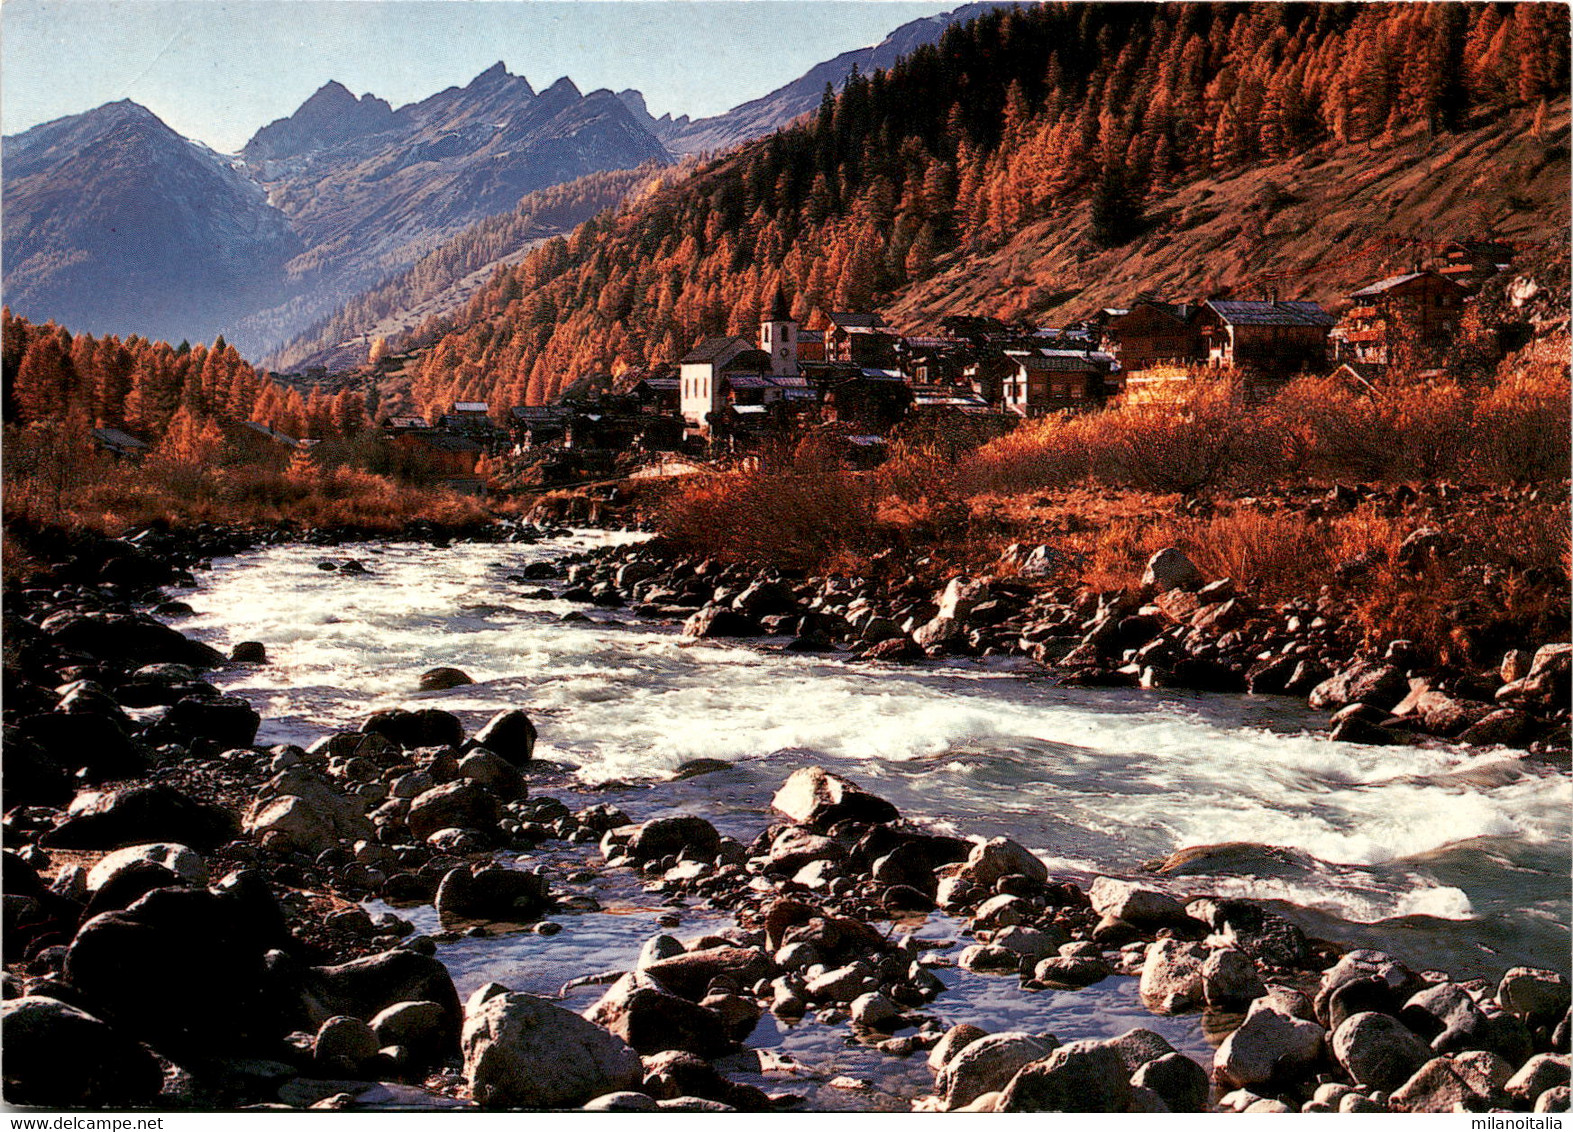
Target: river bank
725, 892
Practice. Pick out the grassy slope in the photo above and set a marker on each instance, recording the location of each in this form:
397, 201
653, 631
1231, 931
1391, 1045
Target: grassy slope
1338, 222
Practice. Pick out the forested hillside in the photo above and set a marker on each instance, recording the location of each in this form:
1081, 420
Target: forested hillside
1094, 115
446, 277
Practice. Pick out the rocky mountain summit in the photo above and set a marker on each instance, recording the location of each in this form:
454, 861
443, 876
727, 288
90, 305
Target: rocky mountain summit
114, 222
117, 224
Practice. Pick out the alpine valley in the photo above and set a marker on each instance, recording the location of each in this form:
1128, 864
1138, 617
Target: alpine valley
116, 224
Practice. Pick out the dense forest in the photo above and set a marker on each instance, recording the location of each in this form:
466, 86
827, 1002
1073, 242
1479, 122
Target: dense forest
1009, 119
174, 397
542, 213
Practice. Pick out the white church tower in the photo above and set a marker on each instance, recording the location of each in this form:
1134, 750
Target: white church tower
778, 338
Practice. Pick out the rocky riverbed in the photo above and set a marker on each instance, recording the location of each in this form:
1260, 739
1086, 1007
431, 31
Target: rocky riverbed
194, 921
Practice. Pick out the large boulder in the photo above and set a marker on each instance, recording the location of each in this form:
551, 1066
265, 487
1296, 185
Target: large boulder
1534, 994
521, 1051
647, 1016
183, 970
495, 894
1180, 1082
136, 815
814, 797
1134, 904
428, 727
1171, 980
1439, 1086
719, 621
987, 1065
691, 972
509, 734
127, 639
1268, 1045
1364, 682
495, 773
297, 810
442, 678
98, 745
998, 857
1171, 569
57, 1056
185, 863
365, 988
661, 837
1263, 935
228, 721
1078, 1077
460, 804
1378, 1050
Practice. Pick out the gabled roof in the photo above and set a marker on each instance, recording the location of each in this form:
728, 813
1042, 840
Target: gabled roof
471, 407
749, 381
873, 374
861, 322
272, 434
1178, 312
118, 441
711, 349
1262, 312
450, 443
660, 384
751, 360
1394, 281
539, 414
1078, 363
405, 422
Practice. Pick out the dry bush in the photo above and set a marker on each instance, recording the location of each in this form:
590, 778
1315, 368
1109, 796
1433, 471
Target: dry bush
1502, 584
49, 480
794, 518
1522, 426
1204, 436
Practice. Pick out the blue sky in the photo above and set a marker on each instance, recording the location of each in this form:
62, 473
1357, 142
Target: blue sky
217, 70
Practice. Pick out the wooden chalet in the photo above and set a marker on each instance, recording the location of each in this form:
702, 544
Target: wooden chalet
1469, 263
1048, 380
810, 346
394, 425
538, 426
1153, 333
871, 400
1420, 311
470, 418
861, 338
1266, 336
933, 361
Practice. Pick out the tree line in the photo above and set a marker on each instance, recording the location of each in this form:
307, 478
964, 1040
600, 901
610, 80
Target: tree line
181, 396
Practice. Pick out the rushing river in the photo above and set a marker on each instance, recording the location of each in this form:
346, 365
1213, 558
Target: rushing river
1451, 857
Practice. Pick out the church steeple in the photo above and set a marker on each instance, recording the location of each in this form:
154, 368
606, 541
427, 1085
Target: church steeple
778, 337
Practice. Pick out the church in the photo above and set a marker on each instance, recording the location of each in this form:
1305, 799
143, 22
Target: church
732, 371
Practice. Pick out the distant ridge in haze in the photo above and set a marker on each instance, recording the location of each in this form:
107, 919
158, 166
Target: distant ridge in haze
766, 115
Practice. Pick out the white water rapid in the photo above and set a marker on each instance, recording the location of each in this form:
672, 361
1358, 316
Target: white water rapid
1450, 856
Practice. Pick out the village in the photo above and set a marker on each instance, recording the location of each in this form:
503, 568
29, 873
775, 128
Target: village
859, 385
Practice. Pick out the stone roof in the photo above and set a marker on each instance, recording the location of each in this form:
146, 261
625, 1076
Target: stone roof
1262, 312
